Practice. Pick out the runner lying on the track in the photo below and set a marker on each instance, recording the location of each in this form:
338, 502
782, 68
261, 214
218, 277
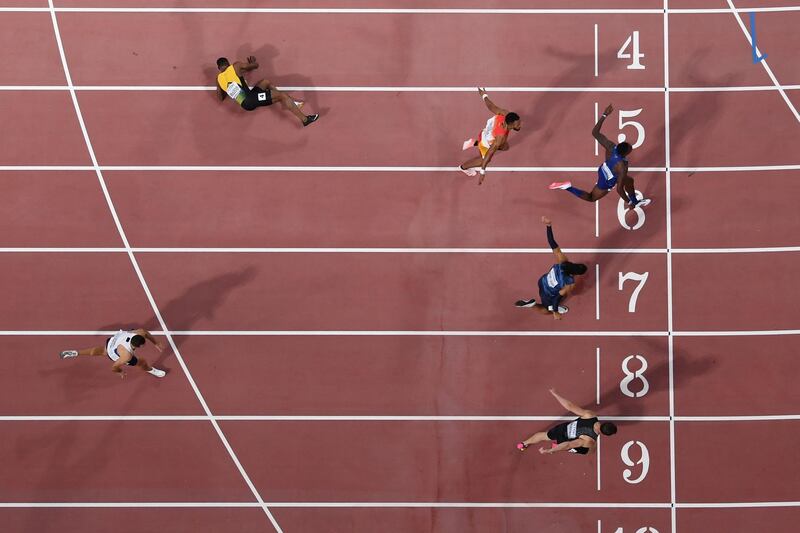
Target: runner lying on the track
231, 82
557, 284
578, 436
120, 348
614, 171
494, 137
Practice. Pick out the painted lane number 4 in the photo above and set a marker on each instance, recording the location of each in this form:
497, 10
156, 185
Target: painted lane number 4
634, 55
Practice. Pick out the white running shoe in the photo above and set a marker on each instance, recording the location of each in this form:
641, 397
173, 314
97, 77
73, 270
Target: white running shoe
469, 143
526, 303
471, 172
157, 373
643, 202
68, 354
563, 185
563, 309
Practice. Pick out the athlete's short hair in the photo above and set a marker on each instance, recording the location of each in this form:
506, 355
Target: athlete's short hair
223, 62
137, 340
608, 428
511, 117
573, 269
624, 149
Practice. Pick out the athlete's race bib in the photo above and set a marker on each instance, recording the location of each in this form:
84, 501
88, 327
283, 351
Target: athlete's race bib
552, 280
572, 430
233, 90
262, 97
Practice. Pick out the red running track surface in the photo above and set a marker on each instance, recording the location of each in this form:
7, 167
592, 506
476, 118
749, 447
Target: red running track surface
339, 299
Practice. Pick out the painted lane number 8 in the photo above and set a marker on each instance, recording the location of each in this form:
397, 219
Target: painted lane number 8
637, 375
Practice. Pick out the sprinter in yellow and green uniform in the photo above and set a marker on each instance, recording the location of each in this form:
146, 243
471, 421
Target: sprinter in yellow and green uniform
231, 82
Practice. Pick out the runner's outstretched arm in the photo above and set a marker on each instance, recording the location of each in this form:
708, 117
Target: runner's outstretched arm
491, 105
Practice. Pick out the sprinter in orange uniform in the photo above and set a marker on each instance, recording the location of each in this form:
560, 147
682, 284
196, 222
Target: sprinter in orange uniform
494, 137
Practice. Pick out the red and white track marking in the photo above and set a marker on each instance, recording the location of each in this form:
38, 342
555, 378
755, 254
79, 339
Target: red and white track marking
25, 43
117, 462
763, 214
392, 49
136, 520
448, 467
336, 207
726, 376
323, 461
54, 209
396, 292
428, 376
41, 385
709, 471
412, 122
43, 129
69, 291
759, 300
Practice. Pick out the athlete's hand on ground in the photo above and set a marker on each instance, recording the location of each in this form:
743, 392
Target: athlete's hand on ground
122, 375
481, 178
481, 92
546, 221
160, 346
608, 110
543, 451
251, 59
553, 392
557, 316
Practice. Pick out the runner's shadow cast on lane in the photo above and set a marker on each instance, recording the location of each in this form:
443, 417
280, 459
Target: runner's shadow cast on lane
196, 303
658, 379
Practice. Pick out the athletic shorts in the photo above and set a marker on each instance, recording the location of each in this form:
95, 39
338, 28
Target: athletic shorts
256, 97
114, 357
483, 149
605, 184
545, 299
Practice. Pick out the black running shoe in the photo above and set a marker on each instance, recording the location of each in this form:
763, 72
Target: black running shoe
309, 119
525, 303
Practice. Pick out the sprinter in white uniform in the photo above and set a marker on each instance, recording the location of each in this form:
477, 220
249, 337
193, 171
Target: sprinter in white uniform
120, 348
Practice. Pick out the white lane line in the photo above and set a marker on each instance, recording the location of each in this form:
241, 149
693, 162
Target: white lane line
409, 505
597, 291
763, 62
233, 250
411, 333
410, 88
390, 11
599, 457
256, 168
596, 51
597, 376
387, 418
140, 276
670, 339
596, 218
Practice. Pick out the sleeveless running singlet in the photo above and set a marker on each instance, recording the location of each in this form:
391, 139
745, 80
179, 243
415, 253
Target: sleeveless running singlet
606, 177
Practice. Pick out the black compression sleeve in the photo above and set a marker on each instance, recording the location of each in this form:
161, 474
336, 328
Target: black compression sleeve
550, 240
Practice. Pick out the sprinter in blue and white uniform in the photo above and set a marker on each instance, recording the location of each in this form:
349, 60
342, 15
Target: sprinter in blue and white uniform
612, 173
557, 284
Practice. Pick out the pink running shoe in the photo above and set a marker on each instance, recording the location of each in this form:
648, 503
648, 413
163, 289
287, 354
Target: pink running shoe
471, 172
560, 185
469, 143
521, 446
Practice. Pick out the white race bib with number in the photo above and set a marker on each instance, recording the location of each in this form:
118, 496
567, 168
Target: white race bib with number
262, 97
233, 90
552, 280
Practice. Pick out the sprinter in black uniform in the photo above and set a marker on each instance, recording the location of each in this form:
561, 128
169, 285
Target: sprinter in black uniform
578, 436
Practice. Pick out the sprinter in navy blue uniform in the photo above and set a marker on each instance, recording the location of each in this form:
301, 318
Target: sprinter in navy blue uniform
612, 173
578, 436
556, 285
